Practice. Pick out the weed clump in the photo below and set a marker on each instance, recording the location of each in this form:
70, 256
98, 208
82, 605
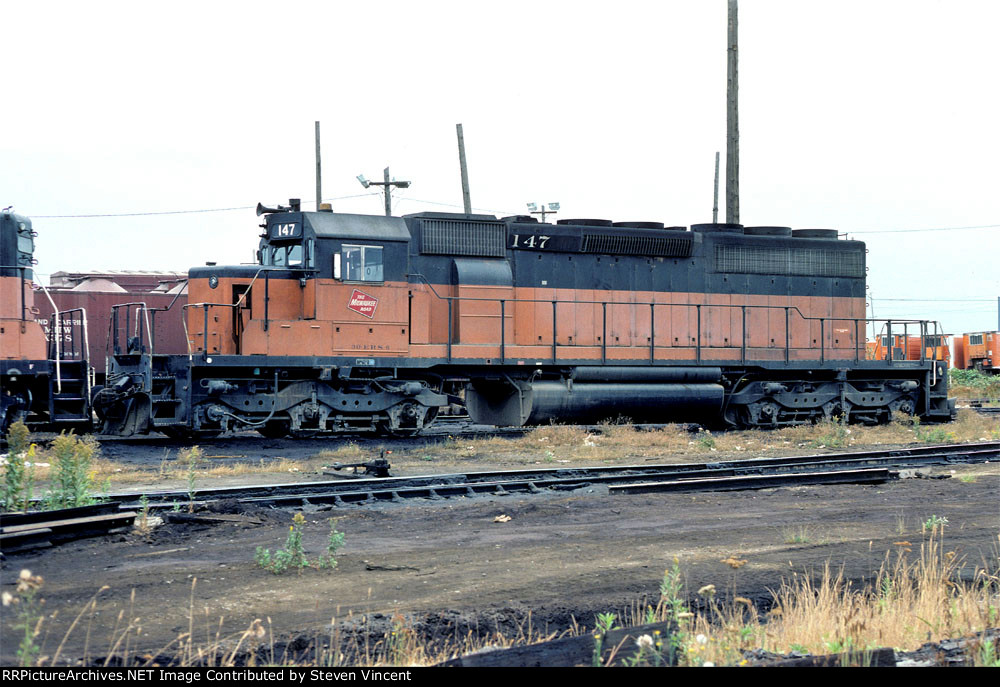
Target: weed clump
18, 468
73, 481
294, 554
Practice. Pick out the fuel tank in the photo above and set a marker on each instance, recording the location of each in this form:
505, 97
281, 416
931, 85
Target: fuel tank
539, 402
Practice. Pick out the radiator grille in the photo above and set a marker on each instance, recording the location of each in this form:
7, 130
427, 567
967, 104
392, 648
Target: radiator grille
811, 262
479, 239
661, 246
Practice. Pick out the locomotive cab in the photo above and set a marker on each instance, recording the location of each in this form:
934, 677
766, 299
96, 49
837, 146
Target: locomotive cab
307, 339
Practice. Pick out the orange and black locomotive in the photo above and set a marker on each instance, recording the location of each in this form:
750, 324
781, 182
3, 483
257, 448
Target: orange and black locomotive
374, 323
44, 382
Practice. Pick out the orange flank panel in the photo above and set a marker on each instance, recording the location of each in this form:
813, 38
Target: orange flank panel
375, 319
479, 312
22, 340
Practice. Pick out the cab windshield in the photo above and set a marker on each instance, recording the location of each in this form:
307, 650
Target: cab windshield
284, 255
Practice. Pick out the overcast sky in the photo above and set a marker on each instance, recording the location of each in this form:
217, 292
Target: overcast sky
875, 117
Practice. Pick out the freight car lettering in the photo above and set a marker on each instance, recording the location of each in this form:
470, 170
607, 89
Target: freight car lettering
369, 347
363, 304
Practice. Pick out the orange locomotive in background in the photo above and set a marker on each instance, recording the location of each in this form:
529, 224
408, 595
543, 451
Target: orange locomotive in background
929, 346
978, 351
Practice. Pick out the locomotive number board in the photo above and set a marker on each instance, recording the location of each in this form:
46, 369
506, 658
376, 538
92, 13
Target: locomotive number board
286, 230
544, 242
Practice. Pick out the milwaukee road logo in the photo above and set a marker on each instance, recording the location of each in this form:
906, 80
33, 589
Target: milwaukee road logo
363, 304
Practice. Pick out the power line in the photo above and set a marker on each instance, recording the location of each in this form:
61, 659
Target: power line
907, 231
181, 212
939, 300
431, 202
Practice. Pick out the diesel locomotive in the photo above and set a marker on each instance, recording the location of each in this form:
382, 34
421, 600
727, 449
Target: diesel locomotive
46, 383
352, 323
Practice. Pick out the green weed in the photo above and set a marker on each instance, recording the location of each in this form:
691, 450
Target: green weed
72, 482
294, 554
18, 470
191, 458
934, 523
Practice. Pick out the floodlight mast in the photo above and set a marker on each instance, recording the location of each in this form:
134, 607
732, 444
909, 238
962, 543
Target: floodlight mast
553, 209
386, 185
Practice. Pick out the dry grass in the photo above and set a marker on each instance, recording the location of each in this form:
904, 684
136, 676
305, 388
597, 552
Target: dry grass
917, 596
914, 599
555, 445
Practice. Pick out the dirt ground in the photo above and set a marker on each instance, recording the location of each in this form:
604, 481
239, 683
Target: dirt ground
448, 567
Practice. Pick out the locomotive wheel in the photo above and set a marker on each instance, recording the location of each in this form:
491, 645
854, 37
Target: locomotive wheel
185, 434
98, 409
382, 427
275, 429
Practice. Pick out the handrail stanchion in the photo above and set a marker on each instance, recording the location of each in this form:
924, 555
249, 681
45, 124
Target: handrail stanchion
652, 332
698, 335
604, 333
503, 330
822, 340
743, 339
554, 303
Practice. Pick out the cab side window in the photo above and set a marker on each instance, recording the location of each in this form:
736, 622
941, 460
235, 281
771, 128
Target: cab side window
361, 263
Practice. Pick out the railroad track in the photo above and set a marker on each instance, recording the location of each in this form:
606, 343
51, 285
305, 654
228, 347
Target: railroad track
43, 528
39, 529
688, 476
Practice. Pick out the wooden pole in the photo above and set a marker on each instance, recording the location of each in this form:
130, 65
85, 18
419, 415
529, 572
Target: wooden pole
319, 175
388, 195
715, 201
733, 123
466, 201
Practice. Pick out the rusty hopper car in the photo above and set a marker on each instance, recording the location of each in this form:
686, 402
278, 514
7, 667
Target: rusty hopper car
355, 323
164, 294
45, 384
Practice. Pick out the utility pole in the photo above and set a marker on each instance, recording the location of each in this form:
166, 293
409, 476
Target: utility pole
732, 124
319, 175
466, 201
715, 202
553, 209
386, 185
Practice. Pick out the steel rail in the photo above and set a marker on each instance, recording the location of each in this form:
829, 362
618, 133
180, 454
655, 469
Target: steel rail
534, 479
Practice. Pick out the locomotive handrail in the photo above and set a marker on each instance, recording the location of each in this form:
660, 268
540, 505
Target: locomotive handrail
267, 269
141, 308
56, 329
698, 344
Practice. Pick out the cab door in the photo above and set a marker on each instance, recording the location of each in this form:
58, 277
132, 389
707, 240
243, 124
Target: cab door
367, 302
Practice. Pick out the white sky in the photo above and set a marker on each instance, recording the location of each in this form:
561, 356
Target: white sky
865, 116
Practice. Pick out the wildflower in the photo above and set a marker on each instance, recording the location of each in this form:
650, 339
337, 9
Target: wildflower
708, 591
707, 664
734, 562
8, 599
701, 639
644, 642
27, 582
256, 629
